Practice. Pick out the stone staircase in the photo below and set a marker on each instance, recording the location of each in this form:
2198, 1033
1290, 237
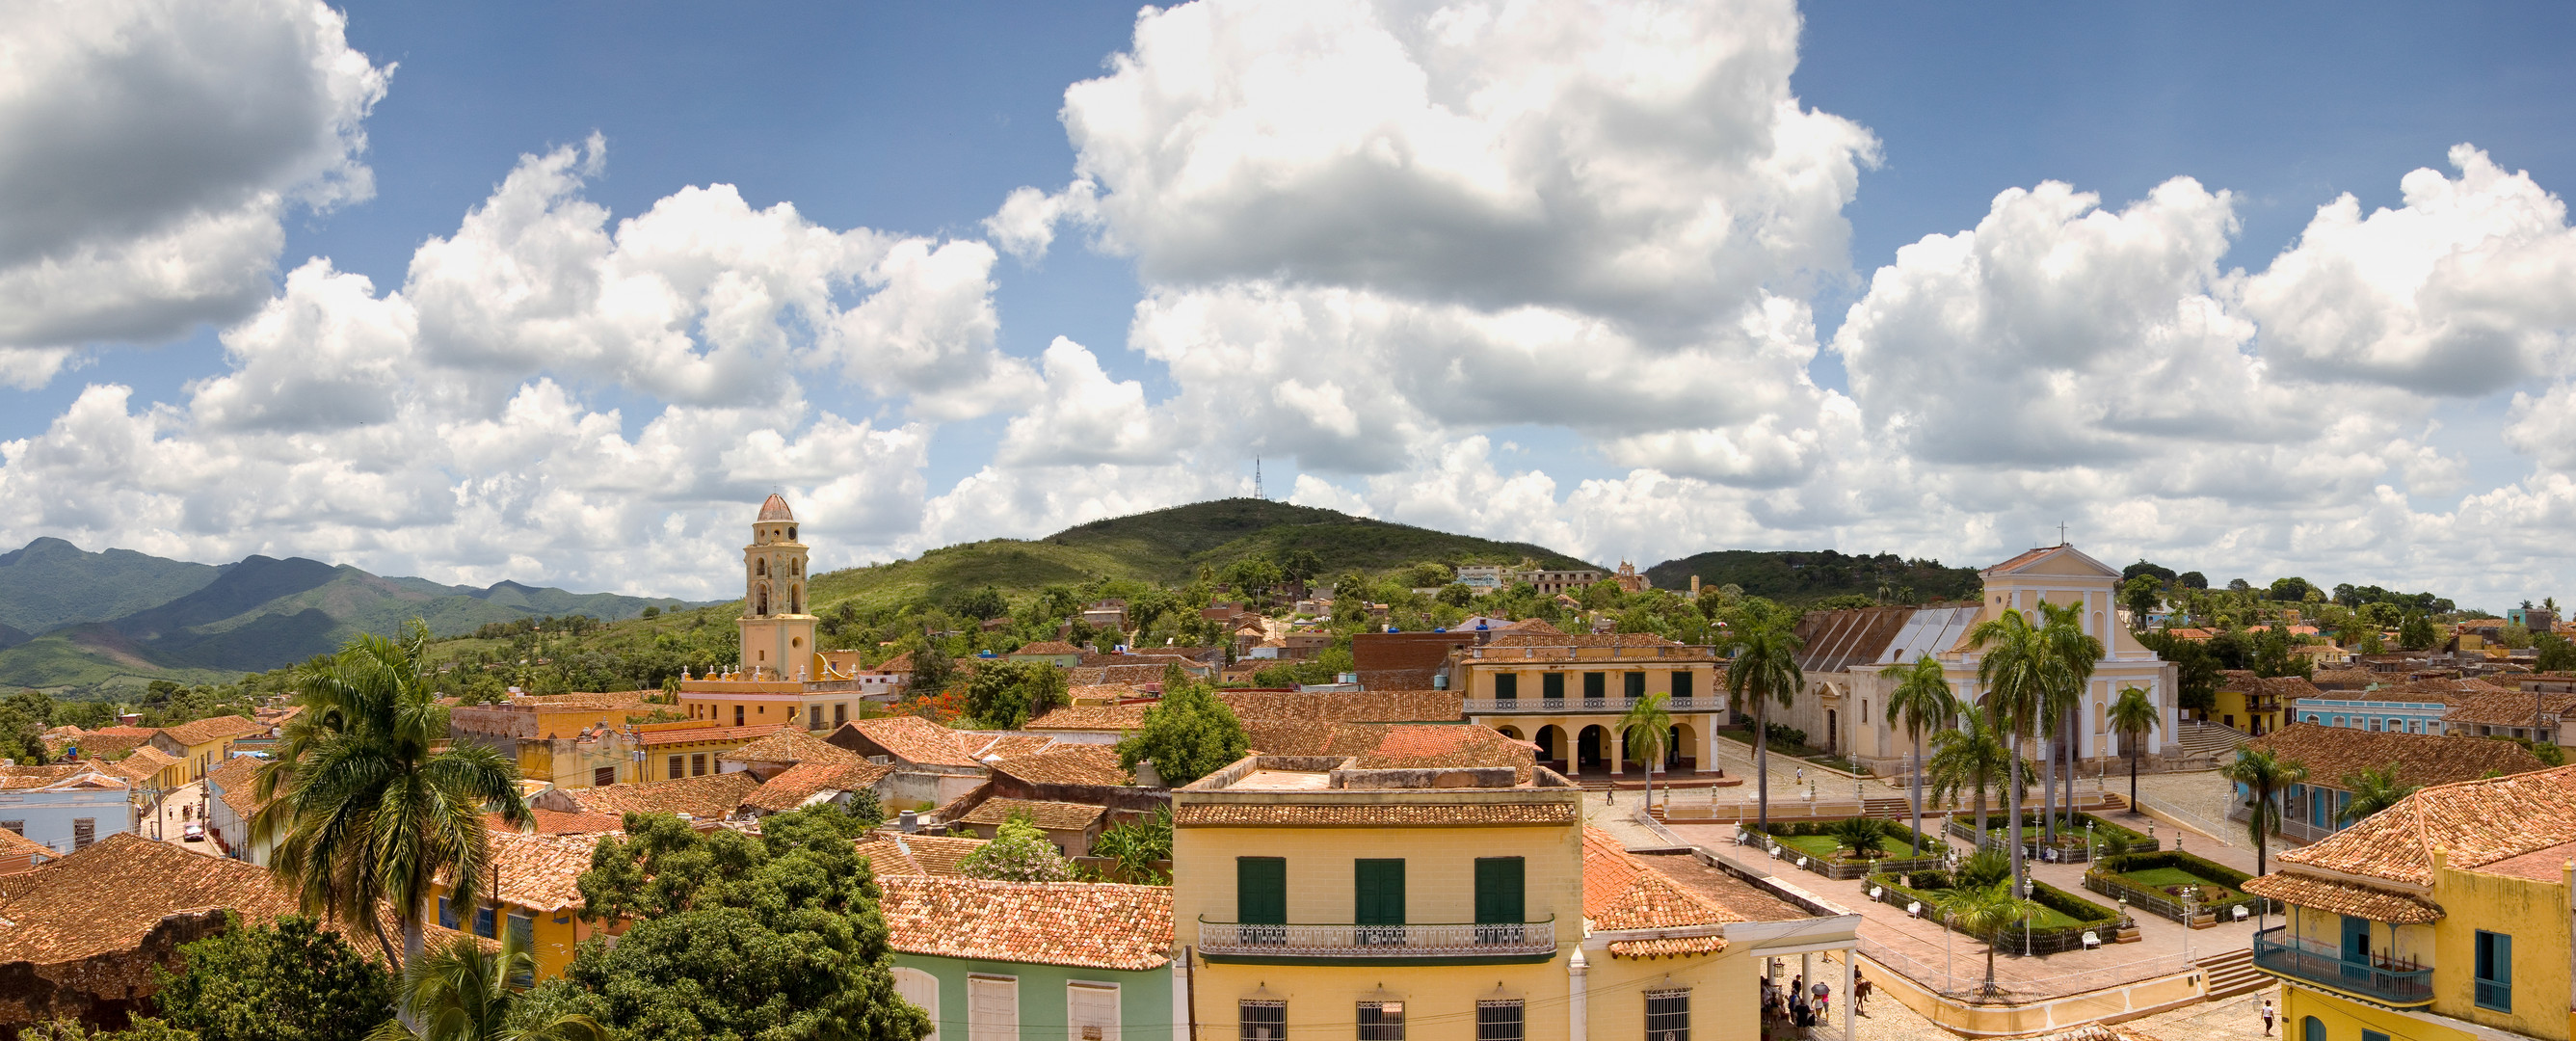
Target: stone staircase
2209, 739
2233, 973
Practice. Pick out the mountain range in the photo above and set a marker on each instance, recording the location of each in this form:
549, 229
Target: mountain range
117, 618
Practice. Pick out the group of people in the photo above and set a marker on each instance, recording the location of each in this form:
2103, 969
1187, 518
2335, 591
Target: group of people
1802, 1004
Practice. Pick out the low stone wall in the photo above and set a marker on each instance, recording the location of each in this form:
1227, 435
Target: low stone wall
104, 991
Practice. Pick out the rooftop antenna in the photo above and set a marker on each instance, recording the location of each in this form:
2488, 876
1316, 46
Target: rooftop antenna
1256, 480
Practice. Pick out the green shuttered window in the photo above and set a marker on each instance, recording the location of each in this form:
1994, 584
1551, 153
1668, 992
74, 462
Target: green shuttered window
1261, 890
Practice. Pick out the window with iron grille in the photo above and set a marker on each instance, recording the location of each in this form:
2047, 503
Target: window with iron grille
487, 923
679, 764
698, 765
1264, 1020
1381, 1021
1498, 1020
2494, 971
1668, 1015
604, 776
84, 832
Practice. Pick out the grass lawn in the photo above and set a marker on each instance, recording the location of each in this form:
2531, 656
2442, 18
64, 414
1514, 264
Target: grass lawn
1745, 738
1827, 846
2158, 878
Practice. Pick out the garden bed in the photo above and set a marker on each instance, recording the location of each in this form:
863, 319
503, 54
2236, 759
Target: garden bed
2109, 840
1811, 845
2060, 925
2154, 882
1744, 736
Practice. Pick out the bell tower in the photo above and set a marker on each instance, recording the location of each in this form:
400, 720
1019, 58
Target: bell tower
777, 632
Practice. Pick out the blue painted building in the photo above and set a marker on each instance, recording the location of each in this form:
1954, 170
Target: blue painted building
2372, 714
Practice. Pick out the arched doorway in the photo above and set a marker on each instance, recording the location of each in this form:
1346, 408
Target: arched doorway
1591, 748
1551, 744
1681, 748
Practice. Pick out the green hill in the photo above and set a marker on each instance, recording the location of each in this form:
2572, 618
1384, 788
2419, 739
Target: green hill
1166, 547
198, 623
1803, 577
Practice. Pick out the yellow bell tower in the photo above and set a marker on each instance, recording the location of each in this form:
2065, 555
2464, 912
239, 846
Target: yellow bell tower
777, 633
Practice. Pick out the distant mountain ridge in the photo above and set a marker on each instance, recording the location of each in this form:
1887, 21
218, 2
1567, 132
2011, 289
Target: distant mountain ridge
70, 617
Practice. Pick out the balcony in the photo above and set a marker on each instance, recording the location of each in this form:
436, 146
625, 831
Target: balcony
2296, 958
1578, 706
1498, 941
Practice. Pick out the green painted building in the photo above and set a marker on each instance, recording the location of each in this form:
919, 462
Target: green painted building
1034, 961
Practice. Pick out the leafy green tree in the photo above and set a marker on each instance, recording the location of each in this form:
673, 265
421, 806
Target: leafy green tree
1299, 566
1843, 602
1019, 852
2142, 567
2557, 653
2196, 671
1646, 728
1456, 595
982, 604
465, 991
2141, 594
2292, 590
2416, 633
288, 981
2373, 789
2018, 672
1188, 735
737, 936
368, 801
1005, 695
1987, 913
933, 671
2133, 716
1138, 845
1922, 701
1762, 646
2262, 774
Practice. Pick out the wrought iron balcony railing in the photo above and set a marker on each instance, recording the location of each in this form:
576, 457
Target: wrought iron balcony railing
2281, 954
1496, 706
1483, 939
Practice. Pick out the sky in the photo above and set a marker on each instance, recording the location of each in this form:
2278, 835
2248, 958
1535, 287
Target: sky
557, 293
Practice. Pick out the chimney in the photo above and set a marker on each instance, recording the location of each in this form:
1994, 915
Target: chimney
908, 822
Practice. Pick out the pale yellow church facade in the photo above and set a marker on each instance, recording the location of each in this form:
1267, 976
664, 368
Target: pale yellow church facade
782, 676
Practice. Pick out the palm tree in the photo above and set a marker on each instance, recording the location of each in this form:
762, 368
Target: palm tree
2133, 717
2372, 790
1763, 669
1968, 759
1646, 726
1986, 913
2018, 672
2073, 655
1922, 700
367, 803
464, 991
2262, 773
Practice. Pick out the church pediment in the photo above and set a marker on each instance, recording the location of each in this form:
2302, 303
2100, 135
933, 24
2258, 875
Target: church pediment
2063, 561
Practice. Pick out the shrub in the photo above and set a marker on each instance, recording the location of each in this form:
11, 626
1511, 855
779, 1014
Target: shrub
1861, 835
1985, 869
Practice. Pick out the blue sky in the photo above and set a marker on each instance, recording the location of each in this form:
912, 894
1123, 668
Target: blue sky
918, 121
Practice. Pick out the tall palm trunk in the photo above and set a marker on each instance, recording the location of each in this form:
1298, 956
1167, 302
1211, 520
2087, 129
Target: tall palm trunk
2012, 812
2133, 778
2074, 754
1918, 793
1762, 763
2048, 785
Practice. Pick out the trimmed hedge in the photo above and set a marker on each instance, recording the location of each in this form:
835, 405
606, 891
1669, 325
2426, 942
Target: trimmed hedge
2089, 916
2105, 878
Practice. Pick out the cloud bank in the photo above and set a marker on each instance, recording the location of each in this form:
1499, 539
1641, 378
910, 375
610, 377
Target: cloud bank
1378, 241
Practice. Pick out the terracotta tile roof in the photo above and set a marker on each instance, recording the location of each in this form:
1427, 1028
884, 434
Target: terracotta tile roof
1721, 888
1068, 764
1076, 924
14, 846
1116, 675
1620, 893
914, 739
19, 777
1092, 717
2353, 679
710, 797
1392, 706
2243, 681
212, 729
142, 762
1043, 647
700, 735
2359, 901
1371, 815
556, 822
2478, 822
2504, 708
2332, 753
237, 780
2026, 557
789, 745
95, 745
540, 872
895, 853
1048, 816
1391, 745
2542, 865
802, 782
901, 664
1008, 746
105, 898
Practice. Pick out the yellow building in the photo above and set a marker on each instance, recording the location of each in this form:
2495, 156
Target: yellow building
532, 892
1317, 898
199, 746
567, 740
783, 676
671, 751
1566, 694
2255, 704
2443, 918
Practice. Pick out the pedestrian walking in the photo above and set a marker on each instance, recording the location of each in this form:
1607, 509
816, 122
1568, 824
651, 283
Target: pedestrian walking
2268, 1015
1860, 992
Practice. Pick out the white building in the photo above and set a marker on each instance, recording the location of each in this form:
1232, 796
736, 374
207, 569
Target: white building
65, 807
